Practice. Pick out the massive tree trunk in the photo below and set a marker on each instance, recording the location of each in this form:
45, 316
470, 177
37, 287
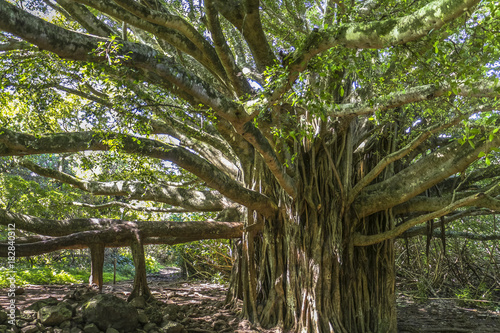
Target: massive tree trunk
303, 270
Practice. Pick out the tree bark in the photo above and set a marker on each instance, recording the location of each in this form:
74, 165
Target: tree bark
97, 265
140, 280
303, 272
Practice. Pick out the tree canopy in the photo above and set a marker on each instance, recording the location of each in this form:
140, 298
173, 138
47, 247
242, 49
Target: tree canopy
321, 130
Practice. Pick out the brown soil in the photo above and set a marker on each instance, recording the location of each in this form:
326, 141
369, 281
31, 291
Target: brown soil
202, 307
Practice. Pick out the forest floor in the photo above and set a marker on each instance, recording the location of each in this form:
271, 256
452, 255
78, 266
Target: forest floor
202, 309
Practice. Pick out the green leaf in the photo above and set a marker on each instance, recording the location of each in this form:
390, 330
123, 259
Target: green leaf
487, 160
481, 154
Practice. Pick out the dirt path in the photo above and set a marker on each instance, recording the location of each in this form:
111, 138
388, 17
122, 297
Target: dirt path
201, 307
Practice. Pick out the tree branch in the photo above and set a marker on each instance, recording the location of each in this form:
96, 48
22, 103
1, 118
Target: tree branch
484, 88
376, 34
387, 160
132, 207
423, 229
238, 81
86, 19
56, 228
421, 175
156, 67
18, 144
245, 16
134, 190
463, 234
14, 45
364, 240
71, 45
194, 45
426, 204
118, 233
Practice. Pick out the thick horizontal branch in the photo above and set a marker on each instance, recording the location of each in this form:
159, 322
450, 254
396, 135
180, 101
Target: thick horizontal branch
56, 228
134, 190
459, 214
426, 204
463, 234
484, 88
122, 233
13, 45
364, 240
420, 176
387, 160
131, 207
18, 144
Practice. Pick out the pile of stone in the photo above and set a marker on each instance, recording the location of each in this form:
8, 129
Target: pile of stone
84, 311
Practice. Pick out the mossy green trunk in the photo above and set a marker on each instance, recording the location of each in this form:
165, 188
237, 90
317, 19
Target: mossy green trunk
301, 271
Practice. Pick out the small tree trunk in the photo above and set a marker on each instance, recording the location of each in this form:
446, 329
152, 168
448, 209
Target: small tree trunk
96, 264
114, 269
140, 280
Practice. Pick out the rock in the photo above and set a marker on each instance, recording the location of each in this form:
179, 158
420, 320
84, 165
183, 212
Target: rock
142, 317
41, 327
171, 311
150, 326
28, 315
14, 329
29, 329
138, 302
43, 302
112, 330
21, 323
76, 330
19, 291
218, 325
3, 317
91, 328
74, 304
65, 324
105, 310
171, 327
81, 294
53, 315
154, 314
